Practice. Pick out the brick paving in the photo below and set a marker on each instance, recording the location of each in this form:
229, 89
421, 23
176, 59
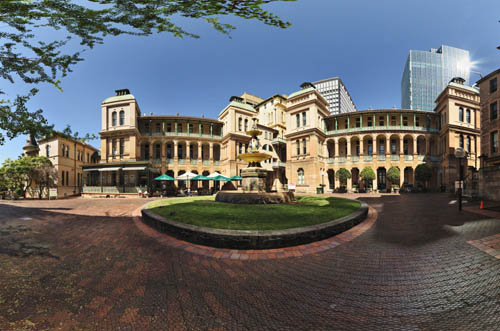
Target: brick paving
82, 264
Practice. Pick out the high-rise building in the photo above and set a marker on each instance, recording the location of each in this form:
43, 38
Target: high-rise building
427, 73
336, 94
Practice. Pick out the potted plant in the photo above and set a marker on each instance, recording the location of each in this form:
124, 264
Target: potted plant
342, 175
393, 176
423, 173
356, 189
368, 175
395, 188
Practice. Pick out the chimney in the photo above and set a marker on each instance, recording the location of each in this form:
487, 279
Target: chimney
307, 85
235, 98
124, 91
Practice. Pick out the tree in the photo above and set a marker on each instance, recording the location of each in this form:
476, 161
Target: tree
367, 174
423, 173
14, 174
342, 175
26, 55
393, 175
41, 177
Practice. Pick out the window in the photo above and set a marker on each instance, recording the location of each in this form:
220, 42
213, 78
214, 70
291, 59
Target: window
461, 114
190, 128
467, 115
113, 148
494, 142
461, 142
304, 119
370, 122
381, 121
493, 111
146, 127
393, 120
63, 150
240, 148
370, 147
358, 122
179, 152
67, 151
493, 85
300, 175
169, 151
122, 117
405, 120
158, 151
298, 147
62, 177
246, 125
67, 178
381, 147
47, 150
304, 146
113, 118
169, 127
179, 127
393, 146
405, 147
297, 117
417, 121
122, 146
240, 124
357, 148
158, 127
468, 145
88, 158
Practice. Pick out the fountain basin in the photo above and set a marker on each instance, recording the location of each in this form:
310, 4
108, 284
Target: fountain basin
254, 198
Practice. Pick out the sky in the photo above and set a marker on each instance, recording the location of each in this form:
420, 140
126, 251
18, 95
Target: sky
363, 42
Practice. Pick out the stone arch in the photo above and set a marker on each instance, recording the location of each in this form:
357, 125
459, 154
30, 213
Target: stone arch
368, 145
145, 150
342, 147
408, 144
169, 149
381, 144
355, 176
181, 183
408, 177
394, 144
181, 150
421, 145
355, 146
331, 179
330, 146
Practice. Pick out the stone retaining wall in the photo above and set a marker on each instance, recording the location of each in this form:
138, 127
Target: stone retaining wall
246, 239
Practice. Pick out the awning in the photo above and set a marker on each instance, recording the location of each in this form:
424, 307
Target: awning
110, 169
92, 169
134, 168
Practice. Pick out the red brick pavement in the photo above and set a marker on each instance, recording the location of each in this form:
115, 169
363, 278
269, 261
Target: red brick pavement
83, 265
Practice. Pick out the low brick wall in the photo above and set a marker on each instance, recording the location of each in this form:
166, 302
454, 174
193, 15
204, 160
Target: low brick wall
489, 183
245, 239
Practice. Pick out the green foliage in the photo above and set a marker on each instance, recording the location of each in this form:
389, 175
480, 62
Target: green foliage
204, 211
343, 174
423, 173
17, 175
26, 55
367, 174
393, 175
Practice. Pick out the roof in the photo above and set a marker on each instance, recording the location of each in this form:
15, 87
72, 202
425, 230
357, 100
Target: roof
272, 97
119, 98
465, 87
306, 90
390, 110
488, 76
239, 105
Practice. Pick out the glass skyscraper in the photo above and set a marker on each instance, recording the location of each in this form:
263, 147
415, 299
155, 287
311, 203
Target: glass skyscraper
427, 73
336, 94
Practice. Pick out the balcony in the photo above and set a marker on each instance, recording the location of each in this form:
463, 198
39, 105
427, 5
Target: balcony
157, 161
420, 157
354, 159
330, 160
367, 158
279, 164
217, 163
113, 189
279, 140
193, 161
408, 158
380, 157
342, 159
206, 162
182, 161
394, 157
181, 134
384, 128
169, 161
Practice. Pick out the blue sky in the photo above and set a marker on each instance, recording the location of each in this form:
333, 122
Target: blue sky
363, 42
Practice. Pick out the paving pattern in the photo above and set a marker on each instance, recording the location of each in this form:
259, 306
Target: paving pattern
82, 264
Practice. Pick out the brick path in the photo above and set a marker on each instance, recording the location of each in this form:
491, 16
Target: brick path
84, 264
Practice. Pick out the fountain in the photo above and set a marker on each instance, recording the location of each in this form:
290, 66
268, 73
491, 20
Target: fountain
254, 178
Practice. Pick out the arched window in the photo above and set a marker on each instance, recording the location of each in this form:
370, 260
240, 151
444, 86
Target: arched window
264, 147
246, 125
468, 145
461, 114
461, 141
467, 115
240, 148
240, 121
270, 148
179, 152
298, 120
304, 146
304, 119
67, 151
122, 117
122, 146
300, 175
47, 150
298, 147
113, 118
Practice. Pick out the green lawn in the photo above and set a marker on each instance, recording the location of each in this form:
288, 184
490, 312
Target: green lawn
204, 211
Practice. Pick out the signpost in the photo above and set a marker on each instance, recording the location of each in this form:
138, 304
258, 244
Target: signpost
52, 193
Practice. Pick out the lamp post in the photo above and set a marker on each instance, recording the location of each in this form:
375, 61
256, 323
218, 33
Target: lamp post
460, 154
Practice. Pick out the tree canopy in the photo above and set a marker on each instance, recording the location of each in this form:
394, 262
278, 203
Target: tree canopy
423, 173
367, 174
26, 56
393, 174
343, 174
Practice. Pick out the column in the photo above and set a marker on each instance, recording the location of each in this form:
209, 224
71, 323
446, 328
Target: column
348, 123
414, 121
348, 156
374, 120
200, 150
151, 147
375, 181
175, 126
336, 124
401, 120
349, 184
415, 143
211, 130
374, 145
401, 145
176, 157
200, 129
211, 152
387, 121
361, 146
427, 145
361, 121
388, 145
336, 147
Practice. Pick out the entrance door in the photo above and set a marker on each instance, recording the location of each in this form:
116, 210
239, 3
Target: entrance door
381, 179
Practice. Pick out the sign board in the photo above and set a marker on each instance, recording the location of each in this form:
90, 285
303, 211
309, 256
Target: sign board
291, 186
459, 184
52, 193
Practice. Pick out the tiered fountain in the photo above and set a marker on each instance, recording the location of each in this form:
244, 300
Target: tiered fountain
254, 178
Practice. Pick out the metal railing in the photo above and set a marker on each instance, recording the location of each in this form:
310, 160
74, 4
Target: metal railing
380, 157
342, 159
216, 163
408, 157
367, 158
394, 157
354, 159
384, 128
182, 161
330, 160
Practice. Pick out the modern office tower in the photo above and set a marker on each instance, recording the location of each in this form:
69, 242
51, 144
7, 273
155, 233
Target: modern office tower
335, 93
427, 73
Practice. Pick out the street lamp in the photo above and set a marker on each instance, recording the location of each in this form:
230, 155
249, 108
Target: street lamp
460, 154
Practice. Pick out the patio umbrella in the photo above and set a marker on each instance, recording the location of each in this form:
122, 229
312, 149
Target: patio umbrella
164, 177
236, 178
212, 176
186, 176
201, 177
222, 178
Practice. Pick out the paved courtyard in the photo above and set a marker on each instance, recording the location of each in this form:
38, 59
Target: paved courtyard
86, 264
